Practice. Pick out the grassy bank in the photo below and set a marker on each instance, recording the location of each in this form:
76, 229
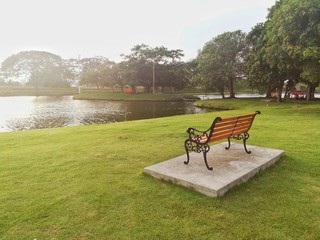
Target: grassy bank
30, 91
88, 183
108, 94
118, 96
94, 94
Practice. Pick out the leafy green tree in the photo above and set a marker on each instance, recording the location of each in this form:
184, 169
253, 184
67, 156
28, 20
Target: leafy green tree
74, 70
292, 41
221, 61
261, 75
178, 70
96, 71
172, 76
37, 68
282, 65
120, 75
192, 72
145, 60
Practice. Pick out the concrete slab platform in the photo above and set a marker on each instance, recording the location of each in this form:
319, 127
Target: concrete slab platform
230, 168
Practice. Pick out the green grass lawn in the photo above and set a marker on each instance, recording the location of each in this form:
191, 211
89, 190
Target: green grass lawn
31, 91
88, 183
93, 94
119, 96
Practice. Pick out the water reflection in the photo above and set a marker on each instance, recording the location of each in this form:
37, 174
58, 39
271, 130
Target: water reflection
34, 122
24, 113
238, 95
98, 118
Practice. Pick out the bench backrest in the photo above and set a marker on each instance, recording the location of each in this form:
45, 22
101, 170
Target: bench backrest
231, 126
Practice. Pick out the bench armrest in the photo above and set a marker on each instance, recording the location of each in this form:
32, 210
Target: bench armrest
197, 135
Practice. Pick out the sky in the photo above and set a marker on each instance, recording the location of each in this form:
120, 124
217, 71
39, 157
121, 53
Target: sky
88, 28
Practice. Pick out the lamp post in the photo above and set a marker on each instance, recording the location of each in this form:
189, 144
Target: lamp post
153, 76
79, 88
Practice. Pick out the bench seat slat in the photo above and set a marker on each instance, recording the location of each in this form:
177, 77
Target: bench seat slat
231, 127
237, 118
240, 116
219, 137
224, 121
240, 121
243, 126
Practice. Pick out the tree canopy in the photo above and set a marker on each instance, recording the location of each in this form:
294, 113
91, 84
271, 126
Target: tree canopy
221, 61
37, 68
155, 67
261, 75
287, 46
96, 71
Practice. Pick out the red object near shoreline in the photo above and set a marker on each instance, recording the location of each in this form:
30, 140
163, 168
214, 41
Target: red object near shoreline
298, 93
128, 90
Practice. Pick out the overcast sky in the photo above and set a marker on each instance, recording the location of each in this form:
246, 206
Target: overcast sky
88, 28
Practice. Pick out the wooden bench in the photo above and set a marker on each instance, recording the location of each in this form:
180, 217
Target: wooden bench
236, 127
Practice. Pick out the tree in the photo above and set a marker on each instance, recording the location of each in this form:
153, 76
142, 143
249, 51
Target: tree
74, 70
144, 58
155, 56
292, 41
119, 75
172, 76
222, 60
260, 74
192, 73
37, 68
96, 71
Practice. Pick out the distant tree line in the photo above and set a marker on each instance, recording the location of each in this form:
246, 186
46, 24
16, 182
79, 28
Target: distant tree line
148, 67
283, 49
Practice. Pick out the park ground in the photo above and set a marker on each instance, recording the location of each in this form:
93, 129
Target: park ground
87, 182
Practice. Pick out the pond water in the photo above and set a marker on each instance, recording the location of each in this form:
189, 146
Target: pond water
28, 112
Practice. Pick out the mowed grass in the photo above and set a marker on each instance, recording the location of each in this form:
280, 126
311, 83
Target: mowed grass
88, 182
119, 96
6, 91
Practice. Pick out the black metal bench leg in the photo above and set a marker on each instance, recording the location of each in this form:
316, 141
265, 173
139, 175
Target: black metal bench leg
186, 162
246, 136
227, 148
205, 160
187, 151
